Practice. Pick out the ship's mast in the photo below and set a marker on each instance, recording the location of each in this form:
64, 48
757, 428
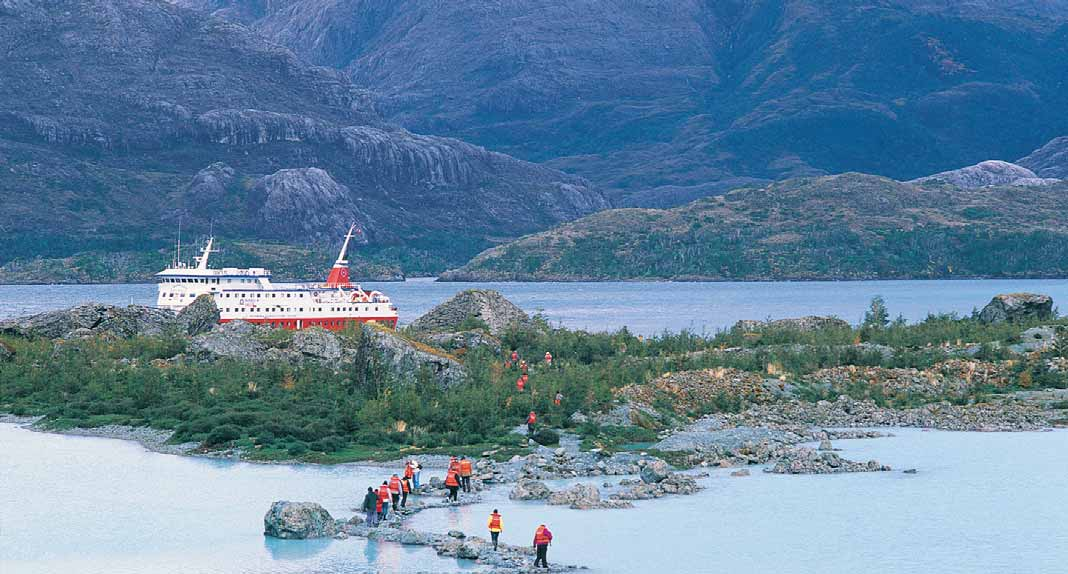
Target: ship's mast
345, 247
202, 261
339, 274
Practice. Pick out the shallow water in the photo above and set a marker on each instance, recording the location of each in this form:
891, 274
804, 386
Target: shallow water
644, 308
88, 505
981, 502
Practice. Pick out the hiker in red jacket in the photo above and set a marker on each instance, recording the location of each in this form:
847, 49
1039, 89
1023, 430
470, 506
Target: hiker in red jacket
542, 539
395, 490
532, 419
383, 501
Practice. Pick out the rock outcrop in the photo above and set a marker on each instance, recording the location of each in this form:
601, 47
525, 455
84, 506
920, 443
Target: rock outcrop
473, 307
584, 497
209, 187
317, 343
91, 319
200, 316
1015, 307
804, 324
655, 471
298, 520
306, 202
407, 359
1050, 160
987, 174
673, 483
526, 489
803, 460
237, 340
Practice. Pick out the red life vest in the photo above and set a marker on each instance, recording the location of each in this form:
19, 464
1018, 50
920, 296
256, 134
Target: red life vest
408, 472
525, 377
454, 465
465, 467
383, 494
532, 418
542, 536
404, 485
395, 485
451, 479
519, 383
548, 357
515, 356
495, 522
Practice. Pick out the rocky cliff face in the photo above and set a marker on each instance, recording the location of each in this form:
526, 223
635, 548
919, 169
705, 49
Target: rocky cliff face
470, 309
662, 101
988, 174
1051, 160
139, 111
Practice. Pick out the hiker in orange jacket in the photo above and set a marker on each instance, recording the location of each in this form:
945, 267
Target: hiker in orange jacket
465, 473
532, 419
542, 539
452, 481
395, 490
406, 487
496, 525
383, 500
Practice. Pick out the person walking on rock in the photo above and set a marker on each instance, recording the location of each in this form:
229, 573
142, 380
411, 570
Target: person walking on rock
523, 366
417, 469
395, 490
496, 525
542, 539
548, 359
409, 471
465, 473
515, 357
452, 481
532, 419
406, 487
383, 500
370, 506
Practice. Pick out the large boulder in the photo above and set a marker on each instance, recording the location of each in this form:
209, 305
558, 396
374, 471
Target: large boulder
1016, 307
317, 343
90, 319
527, 489
208, 187
803, 324
655, 471
200, 316
305, 203
987, 174
238, 340
298, 520
578, 496
407, 359
470, 308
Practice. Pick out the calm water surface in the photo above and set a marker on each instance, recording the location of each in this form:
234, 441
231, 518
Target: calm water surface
981, 502
645, 308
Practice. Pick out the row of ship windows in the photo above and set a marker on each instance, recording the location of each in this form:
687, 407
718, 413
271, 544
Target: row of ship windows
212, 281
297, 309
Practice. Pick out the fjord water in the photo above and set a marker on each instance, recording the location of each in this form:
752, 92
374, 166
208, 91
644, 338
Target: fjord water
980, 502
644, 308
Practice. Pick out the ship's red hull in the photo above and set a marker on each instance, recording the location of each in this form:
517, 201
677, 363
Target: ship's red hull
328, 323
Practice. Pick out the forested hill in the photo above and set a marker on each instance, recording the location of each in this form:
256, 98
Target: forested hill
850, 226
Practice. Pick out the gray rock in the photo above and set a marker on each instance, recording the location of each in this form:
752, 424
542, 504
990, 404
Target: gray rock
1050, 160
236, 340
578, 418
7, 353
987, 174
1015, 307
305, 202
527, 489
200, 316
801, 460
1035, 339
208, 187
742, 472
479, 305
298, 520
95, 319
655, 471
317, 343
456, 534
825, 445
408, 361
465, 340
693, 438
804, 324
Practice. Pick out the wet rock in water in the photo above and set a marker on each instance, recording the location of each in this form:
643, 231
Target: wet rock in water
802, 460
91, 319
825, 445
655, 471
456, 534
694, 437
298, 520
317, 343
1016, 307
674, 483
200, 316
473, 306
579, 497
742, 472
910, 471
527, 489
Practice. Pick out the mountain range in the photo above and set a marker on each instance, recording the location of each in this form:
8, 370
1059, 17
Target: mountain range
663, 101
446, 128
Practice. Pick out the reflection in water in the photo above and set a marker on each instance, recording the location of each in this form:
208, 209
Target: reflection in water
295, 549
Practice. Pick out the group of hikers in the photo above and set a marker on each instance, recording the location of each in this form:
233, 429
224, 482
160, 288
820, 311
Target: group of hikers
393, 494
521, 383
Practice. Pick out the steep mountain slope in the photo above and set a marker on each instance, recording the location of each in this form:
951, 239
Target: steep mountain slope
668, 100
850, 226
117, 117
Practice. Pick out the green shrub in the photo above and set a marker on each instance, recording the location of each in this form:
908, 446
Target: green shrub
222, 435
297, 448
546, 437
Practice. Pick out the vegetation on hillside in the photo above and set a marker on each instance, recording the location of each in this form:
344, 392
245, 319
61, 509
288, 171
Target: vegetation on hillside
851, 226
316, 413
